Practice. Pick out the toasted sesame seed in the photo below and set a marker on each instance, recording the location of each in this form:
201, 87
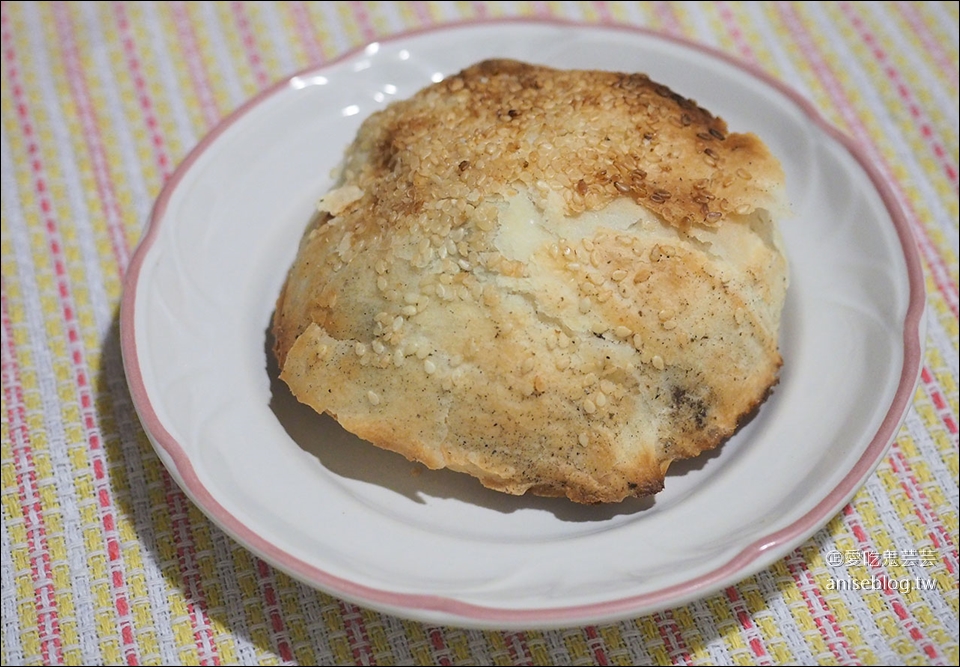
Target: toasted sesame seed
381, 283
397, 323
600, 399
528, 364
585, 305
657, 362
583, 439
618, 275
637, 342
378, 347
373, 397
589, 406
670, 324
360, 349
398, 357
622, 331
607, 387
563, 362
655, 253
429, 367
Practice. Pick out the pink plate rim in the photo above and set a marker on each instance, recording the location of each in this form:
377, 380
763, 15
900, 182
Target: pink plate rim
745, 563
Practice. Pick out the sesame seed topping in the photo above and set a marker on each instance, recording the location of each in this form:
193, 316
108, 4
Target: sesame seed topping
373, 397
360, 349
583, 439
589, 406
429, 367
657, 362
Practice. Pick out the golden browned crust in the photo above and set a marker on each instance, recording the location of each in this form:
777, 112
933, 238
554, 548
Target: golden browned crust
556, 281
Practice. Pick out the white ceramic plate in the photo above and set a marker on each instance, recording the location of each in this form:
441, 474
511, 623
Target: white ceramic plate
361, 523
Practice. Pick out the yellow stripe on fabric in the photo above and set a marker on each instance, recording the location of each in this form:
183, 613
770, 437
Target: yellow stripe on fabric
846, 621
176, 54
908, 125
459, 645
877, 135
728, 625
136, 592
765, 622
335, 635
575, 642
919, 531
652, 640
196, 17
945, 32
205, 557
160, 104
905, 30
290, 15
264, 47
44, 139
793, 598
793, 51
297, 629
878, 601
14, 520
203, 548
419, 644
131, 110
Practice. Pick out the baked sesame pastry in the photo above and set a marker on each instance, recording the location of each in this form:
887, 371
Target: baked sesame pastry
555, 281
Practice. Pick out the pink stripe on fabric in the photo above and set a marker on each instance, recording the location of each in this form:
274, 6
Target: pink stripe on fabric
249, 40
819, 609
272, 607
79, 89
667, 14
360, 13
939, 536
750, 631
198, 72
730, 23
903, 90
306, 32
596, 644
41, 570
518, 649
75, 346
356, 633
143, 96
939, 271
441, 653
194, 599
672, 638
945, 62
939, 402
896, 601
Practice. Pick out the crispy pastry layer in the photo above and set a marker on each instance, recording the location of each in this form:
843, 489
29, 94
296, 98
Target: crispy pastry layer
556, 281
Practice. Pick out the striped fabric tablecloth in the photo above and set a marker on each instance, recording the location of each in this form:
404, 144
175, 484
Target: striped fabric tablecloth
105, 561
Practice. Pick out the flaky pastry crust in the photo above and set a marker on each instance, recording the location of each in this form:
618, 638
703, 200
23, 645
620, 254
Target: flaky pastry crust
556, 281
